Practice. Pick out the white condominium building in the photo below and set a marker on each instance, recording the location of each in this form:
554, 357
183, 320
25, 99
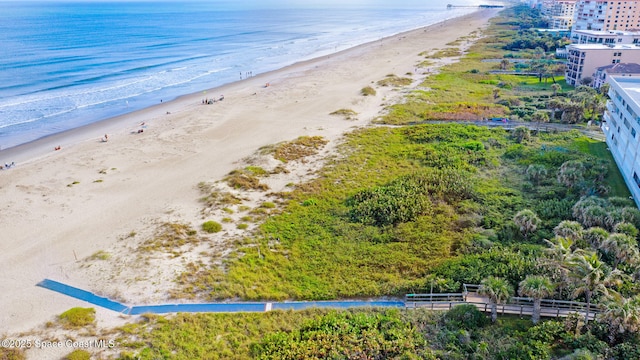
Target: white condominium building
604, 37
607, 15
621, 125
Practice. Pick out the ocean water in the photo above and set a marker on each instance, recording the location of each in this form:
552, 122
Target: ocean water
71, 63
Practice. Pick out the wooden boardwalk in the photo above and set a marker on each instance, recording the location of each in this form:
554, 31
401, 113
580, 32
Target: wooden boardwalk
516, 305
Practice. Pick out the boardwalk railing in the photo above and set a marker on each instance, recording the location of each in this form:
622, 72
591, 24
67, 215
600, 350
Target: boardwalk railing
515, 305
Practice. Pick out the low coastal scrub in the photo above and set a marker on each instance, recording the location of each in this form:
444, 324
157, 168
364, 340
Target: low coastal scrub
299, 148
346, 113
246, 179
461, 333
212, 227
445, 53
216, 198
405, 202
77, 317
78, 355
394, 81
484, 83
368, 91
170, 238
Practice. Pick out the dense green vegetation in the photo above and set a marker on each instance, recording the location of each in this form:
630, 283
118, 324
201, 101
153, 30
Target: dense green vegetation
462, 333
511, 71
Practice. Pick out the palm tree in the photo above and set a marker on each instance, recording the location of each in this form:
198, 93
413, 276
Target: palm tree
536, 287
498, 290
569, 229
527, 221
504, 63
536, 172
556, 105
595, 236
622, 315
571, 173
591, 277
540, 117
557, 257
521, 133
623, 247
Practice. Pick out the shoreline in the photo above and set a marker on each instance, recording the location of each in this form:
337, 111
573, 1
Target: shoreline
26, 152
60, 207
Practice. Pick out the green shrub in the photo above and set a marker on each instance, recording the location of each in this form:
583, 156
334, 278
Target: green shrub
79, 355
466, 316
12, 354
368, 91
407, 197
77, 317
242, 226
211, 227
268, 205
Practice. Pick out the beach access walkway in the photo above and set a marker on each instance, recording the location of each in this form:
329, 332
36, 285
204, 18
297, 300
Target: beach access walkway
516, 305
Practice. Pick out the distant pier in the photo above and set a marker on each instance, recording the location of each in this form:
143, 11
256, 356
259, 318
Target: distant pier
449, 6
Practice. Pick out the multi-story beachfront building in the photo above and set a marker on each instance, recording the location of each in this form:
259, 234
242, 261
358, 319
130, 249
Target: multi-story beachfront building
607, 15
604, 72
559, 13
605, 37
621, 126
584, 59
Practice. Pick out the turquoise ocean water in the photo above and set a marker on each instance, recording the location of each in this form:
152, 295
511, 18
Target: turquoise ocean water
70, 63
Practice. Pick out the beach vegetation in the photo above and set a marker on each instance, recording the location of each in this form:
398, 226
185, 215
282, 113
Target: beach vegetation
280, 170
523, 90
368, 91
394, 81
242, 226
257, 171
446, 53
215, 198
170, 237
100, 255
227, 220
268, 205
228, 210
78, 354
12, 353
438, 199
348, 114
461, 333
77, 317
245, 180
211, 226
299, 148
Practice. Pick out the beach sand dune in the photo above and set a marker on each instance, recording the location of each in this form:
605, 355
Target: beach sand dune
59, 207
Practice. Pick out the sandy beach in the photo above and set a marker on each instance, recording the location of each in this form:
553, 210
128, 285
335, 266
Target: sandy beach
59, 207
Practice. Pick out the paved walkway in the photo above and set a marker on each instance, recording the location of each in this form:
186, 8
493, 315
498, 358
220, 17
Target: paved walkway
208, 307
